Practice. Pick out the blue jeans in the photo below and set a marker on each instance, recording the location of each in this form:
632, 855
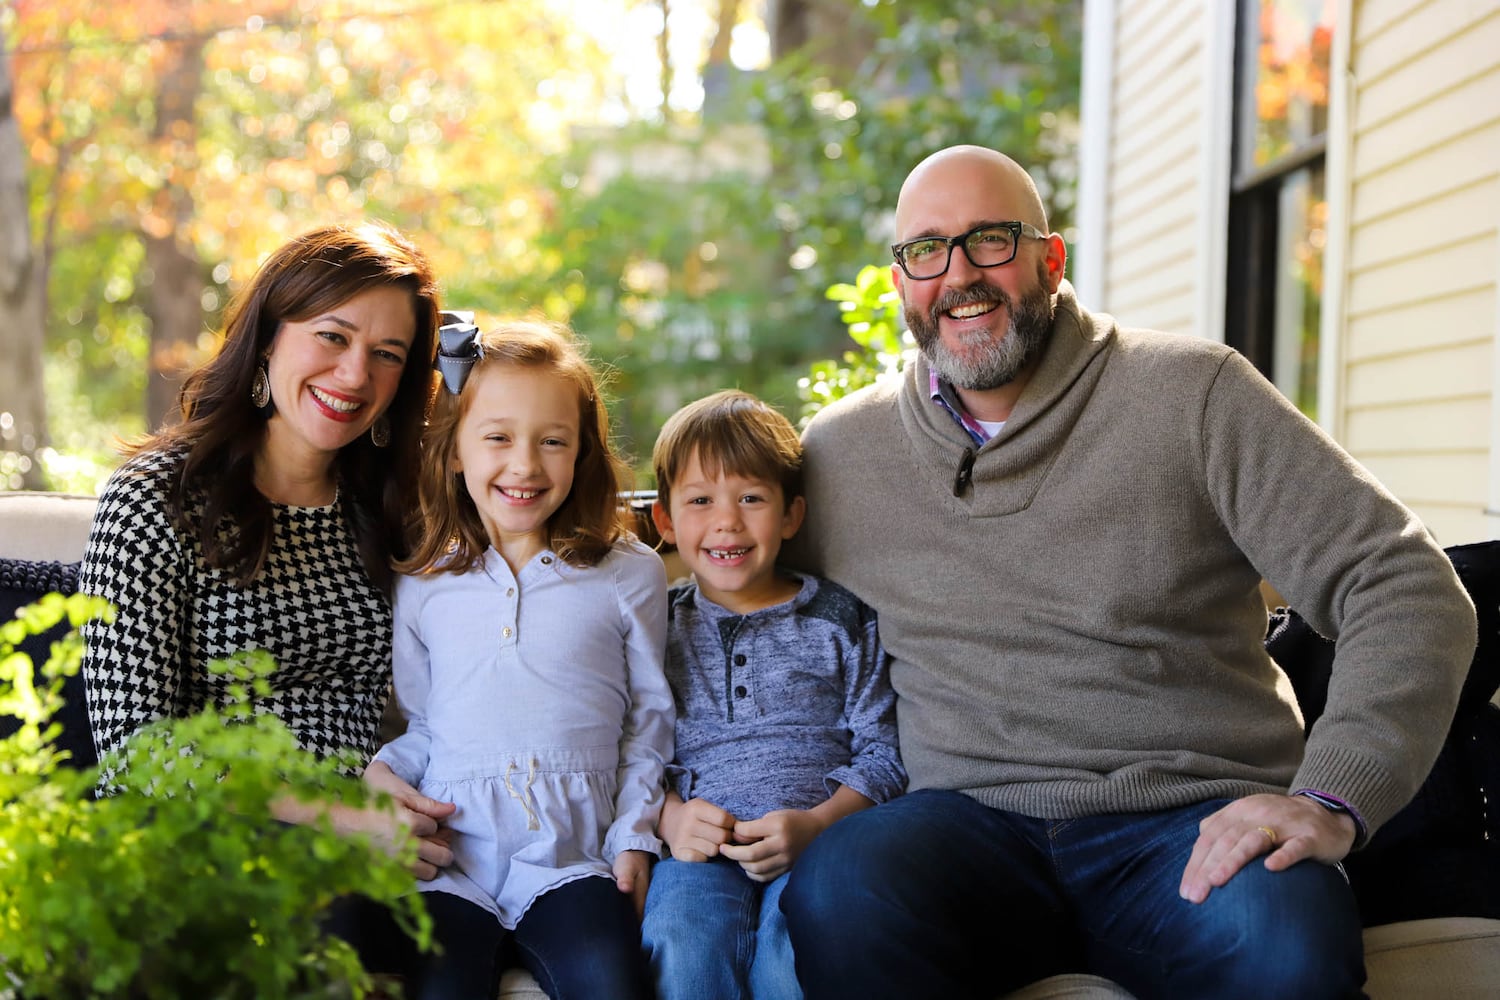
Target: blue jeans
933, 894
712, 933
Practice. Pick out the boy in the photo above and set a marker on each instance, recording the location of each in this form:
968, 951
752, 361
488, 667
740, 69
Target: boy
785, 716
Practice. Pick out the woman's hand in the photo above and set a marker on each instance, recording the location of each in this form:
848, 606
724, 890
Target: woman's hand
416, 815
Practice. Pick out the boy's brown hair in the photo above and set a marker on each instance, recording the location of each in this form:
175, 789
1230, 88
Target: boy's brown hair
732, 433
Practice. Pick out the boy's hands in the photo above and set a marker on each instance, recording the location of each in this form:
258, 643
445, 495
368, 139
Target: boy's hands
767, 847
633, 877
695, 830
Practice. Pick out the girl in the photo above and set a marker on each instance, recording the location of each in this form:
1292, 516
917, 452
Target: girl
528, 663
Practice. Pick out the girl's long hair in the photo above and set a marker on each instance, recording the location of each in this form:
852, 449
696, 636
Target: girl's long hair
449, 535
221, 429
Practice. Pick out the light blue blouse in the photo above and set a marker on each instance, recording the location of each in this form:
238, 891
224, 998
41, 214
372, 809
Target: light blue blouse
537, 703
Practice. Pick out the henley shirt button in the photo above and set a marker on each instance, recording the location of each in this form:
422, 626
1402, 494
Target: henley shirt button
739, 659
740, 691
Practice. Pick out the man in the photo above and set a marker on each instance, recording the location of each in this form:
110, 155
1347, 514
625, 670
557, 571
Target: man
1062, 525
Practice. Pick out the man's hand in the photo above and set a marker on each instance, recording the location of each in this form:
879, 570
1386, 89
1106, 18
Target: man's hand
767, 847
695, 830
633, 877
417, 816
1287, 828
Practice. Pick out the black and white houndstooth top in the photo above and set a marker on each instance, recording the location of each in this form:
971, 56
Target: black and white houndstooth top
312, 607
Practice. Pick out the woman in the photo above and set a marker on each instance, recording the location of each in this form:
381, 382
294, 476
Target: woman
269, 516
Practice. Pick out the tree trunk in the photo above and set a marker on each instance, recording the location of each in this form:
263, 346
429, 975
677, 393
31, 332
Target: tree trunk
729, 16
664, 54
829, 32
175, 297
23, 414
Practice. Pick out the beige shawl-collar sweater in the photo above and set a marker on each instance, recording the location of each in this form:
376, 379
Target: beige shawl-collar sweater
1076, 626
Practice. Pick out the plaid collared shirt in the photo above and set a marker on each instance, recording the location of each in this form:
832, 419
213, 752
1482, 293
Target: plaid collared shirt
944, 396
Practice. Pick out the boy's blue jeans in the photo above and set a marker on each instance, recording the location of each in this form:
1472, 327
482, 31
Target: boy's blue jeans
933, 894
712, 933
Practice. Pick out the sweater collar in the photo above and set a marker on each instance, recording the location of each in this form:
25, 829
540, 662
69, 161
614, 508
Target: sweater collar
1003, 475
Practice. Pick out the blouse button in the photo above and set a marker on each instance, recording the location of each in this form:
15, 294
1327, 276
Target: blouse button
506, 632
739, 659
546, 560
740, 691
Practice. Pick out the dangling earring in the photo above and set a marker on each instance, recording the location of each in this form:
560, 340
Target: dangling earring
380, 431
260, 389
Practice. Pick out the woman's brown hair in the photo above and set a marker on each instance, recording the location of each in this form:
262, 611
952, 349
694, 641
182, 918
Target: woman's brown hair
221, 429
449, 536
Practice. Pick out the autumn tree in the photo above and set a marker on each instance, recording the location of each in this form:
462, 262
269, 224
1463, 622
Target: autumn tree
173, 143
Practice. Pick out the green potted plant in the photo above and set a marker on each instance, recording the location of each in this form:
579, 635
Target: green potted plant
180, 884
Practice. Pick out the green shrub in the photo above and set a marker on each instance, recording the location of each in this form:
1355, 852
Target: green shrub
871, 309
181, 884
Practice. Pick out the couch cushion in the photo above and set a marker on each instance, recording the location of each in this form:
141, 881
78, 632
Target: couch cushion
1457, 958
45, 526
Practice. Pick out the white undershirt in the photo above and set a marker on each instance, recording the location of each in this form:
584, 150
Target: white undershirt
991, 427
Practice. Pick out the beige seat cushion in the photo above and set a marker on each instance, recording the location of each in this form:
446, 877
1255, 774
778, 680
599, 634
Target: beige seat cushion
44, 526
1457, 958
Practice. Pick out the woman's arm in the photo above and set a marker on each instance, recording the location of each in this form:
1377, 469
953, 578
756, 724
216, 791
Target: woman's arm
410, 815
138, 561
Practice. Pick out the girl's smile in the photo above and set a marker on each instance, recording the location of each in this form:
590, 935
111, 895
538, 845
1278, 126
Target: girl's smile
517, 446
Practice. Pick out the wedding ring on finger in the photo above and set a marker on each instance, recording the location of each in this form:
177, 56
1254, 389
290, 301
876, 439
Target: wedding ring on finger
1270, 833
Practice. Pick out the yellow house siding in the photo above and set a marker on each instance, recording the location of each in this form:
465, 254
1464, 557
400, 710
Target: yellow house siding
1419, 325
1151, 261
1421, 310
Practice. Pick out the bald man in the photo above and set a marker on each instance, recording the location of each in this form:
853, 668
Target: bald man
1063, 524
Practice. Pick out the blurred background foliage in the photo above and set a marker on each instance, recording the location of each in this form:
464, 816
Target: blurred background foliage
680, 180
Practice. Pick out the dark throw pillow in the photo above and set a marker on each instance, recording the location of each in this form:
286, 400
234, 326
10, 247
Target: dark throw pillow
1440, 855
21, 583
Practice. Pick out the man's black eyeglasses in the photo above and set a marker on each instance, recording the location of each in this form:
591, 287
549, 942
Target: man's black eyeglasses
990, 245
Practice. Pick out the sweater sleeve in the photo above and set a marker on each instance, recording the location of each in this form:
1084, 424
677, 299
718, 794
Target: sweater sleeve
407, 754
138, 561
646, 739
874, 769
1361, 569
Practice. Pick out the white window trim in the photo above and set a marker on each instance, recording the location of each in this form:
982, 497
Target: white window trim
1217, 142
1492, 508
1096, 115
1337, 189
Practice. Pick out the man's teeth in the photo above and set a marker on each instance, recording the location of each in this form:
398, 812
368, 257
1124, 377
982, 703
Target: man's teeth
519, 494
727, 553
970, 311
334, 403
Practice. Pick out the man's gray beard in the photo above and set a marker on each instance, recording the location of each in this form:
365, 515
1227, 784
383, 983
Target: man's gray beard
991, 361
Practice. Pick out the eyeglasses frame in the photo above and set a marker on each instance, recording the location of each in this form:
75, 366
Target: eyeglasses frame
1017, 230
